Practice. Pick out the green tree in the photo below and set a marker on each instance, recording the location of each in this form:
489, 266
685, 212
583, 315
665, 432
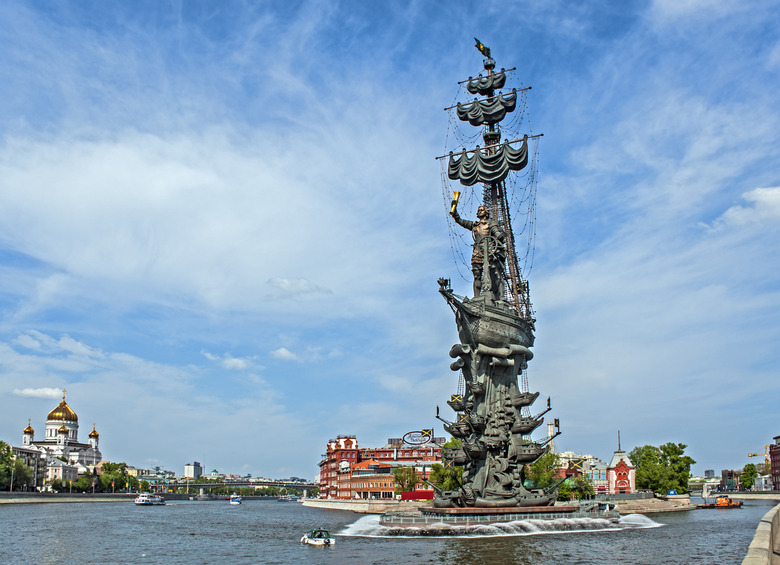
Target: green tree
11, 467
116, 473
542, 472
564, 491
446, 479
673, 456
749, 474
582, 488
650, 473
83, 484
6, 462
406, 478
662, 469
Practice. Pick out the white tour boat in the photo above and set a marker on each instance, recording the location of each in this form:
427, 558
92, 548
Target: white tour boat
146, 499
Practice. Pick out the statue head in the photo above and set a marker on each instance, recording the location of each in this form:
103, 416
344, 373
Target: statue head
483, 212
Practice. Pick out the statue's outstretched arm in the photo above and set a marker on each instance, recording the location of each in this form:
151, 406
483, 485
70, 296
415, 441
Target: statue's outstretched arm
468, 224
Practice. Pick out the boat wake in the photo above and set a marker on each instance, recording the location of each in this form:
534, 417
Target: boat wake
369, 526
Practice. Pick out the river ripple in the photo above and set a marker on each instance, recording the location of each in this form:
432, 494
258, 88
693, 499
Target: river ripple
264, 531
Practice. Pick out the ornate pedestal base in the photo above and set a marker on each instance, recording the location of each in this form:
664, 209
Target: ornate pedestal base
431, 517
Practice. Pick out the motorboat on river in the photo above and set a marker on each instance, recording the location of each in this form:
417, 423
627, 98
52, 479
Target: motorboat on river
235, 499
146, 499
318, 536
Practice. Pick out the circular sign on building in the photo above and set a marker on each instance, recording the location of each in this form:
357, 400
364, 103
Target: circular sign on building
420, 437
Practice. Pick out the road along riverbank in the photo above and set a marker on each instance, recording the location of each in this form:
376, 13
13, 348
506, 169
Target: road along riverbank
36, 498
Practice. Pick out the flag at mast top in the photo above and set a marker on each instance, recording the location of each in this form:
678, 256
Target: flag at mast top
482, 49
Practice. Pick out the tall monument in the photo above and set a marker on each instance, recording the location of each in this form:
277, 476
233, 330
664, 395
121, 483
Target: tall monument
495, 326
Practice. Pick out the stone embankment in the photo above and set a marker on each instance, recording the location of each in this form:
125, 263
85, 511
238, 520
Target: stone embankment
34, 498
652, 505
765, 547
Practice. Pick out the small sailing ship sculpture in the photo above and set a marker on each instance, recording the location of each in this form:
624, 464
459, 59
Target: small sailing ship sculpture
495, 327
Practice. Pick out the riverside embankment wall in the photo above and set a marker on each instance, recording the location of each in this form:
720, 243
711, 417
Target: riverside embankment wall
765, 547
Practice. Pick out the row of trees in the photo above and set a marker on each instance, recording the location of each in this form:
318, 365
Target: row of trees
660, 469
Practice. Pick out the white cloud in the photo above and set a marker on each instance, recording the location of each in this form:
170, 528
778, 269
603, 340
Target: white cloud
26, 340
292, 288
284, 354
38, 392
227, 361
235, 363
665, 10
764, 206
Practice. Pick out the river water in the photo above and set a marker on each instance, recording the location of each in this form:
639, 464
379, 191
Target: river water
267, 531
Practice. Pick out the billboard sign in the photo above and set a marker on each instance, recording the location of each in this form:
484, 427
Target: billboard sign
420, 437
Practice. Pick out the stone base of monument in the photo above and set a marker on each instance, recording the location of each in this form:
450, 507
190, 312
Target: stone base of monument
471, 516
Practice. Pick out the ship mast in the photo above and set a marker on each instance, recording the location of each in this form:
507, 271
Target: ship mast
495, 198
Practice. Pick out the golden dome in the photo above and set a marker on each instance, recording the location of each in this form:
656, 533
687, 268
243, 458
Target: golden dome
62, 430
62, 412
94, 433
28, 429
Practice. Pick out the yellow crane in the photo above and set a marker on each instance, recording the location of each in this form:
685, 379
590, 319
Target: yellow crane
765, 455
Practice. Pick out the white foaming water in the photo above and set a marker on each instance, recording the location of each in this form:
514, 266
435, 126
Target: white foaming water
369, 526
637, 521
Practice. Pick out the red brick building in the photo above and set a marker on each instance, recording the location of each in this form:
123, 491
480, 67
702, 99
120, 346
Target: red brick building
774, 461
621, 475
372, 480
343, 454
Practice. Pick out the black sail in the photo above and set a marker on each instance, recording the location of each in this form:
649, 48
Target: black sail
484, 168
485, 85
488, 111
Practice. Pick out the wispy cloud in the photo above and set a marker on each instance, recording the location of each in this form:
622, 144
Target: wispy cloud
38, 392
227, 361
284, 354
763, 206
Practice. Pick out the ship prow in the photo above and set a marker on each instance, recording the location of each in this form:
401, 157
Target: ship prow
486, 321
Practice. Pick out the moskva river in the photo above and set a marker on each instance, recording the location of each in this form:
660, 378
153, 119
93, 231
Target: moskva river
267, 531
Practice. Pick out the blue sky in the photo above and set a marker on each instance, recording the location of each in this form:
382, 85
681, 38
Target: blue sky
221, 224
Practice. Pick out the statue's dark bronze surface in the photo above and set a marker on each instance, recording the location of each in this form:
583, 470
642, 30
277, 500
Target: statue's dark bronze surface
495, 329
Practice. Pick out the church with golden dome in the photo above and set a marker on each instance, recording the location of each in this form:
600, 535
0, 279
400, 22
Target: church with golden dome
66, 457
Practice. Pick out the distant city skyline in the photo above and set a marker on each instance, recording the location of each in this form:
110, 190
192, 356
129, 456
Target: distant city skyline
221, 226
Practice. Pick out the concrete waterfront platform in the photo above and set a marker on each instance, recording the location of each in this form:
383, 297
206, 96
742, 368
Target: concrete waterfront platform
473, 516
366, 506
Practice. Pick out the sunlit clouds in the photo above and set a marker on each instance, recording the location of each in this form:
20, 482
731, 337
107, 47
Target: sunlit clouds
227, 224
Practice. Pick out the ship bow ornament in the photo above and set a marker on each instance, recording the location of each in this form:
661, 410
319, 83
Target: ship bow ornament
492, 420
